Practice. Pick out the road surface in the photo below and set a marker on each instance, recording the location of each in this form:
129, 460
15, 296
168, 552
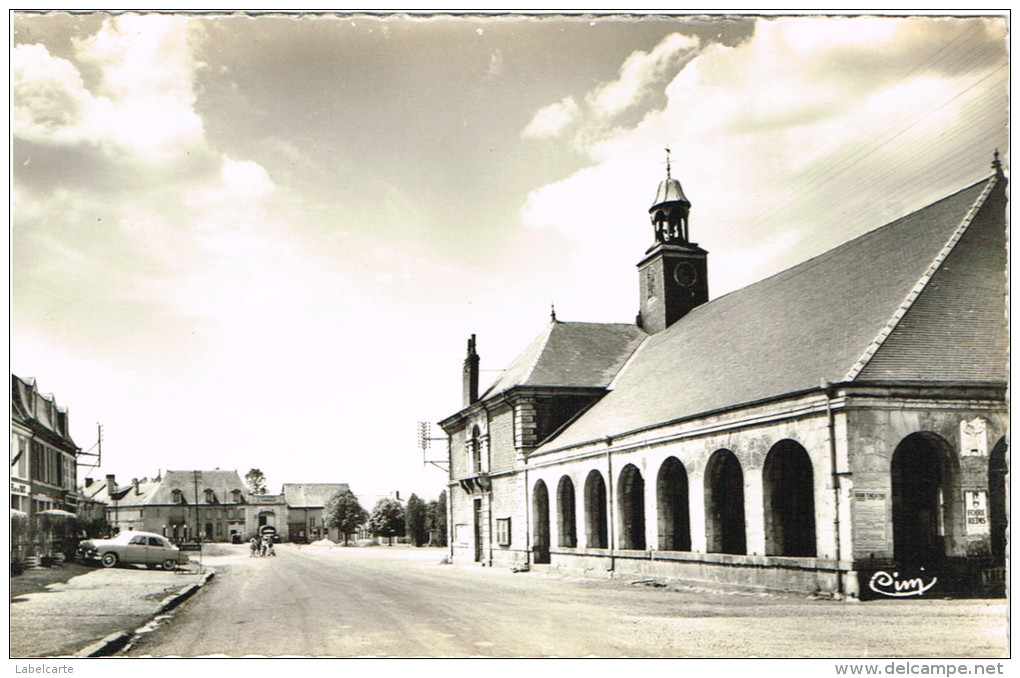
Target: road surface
402, 602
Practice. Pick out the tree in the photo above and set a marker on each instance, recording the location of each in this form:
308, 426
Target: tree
436, 520
256, 481
415, 520
344, 513
387, 519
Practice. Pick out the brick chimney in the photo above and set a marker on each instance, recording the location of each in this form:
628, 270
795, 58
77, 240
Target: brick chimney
471, 373
111, 483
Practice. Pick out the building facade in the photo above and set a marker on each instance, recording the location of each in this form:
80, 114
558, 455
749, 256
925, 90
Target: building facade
181, 505
44, 468
839, 427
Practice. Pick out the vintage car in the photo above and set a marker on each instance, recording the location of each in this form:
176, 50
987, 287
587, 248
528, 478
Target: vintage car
132, 548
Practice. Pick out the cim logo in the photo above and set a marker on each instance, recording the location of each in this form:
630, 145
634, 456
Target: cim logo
886, 584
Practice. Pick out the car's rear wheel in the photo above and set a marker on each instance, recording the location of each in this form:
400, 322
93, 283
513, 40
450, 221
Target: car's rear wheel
169, 564
109, 559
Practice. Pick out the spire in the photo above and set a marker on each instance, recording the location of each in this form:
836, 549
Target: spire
670, 210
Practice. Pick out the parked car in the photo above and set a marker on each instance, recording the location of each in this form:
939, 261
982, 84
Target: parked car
132, 548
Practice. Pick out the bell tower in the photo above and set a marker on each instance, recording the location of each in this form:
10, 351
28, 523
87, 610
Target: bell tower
673, 275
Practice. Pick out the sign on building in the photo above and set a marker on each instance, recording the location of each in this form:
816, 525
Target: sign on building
870, 521
974, 438
977, 512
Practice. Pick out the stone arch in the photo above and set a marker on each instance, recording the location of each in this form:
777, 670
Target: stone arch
540, 511
595, 514
630, 494
788, 490
673, 505
923, 494
565, 513
725, 531
997, 517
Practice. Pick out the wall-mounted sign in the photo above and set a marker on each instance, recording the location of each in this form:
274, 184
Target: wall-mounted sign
19, 488
870, 521
976, 504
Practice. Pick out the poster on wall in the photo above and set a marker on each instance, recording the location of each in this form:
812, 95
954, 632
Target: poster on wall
870, 522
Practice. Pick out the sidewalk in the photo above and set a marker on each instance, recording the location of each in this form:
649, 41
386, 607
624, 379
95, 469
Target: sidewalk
69, 617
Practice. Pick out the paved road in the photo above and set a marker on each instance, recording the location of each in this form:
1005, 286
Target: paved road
402, 602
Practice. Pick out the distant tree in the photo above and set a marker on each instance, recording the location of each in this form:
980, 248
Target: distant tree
387, 519
436, 519
343, 512
256, 481
415, 520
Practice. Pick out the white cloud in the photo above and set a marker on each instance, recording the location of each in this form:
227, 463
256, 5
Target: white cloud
639, 73
551, 120
143, 103
780, 158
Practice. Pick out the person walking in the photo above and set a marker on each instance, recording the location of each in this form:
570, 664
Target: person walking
254, 547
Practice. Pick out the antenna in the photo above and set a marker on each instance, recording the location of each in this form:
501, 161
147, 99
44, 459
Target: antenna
425, 442
98, 454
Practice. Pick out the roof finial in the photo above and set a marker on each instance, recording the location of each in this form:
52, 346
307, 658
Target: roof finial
996, 163
552, 312
667, 163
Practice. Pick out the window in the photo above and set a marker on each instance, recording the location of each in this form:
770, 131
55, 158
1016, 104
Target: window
311, 521
210, 497
503, 531
178, 497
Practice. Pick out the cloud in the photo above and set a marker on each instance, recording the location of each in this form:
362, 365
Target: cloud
781, 159
551, 120
142, 106
640, 72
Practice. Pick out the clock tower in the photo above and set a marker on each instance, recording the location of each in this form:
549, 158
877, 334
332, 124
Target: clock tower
673, 275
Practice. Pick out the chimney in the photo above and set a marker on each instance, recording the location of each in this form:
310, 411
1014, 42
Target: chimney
88, 483
111, 483
134, 481
471, 374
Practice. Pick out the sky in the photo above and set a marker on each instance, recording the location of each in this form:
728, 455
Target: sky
263, 241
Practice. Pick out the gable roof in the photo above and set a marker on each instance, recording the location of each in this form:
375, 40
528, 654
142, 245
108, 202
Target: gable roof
571, 354
818, 320
161, 491
311, 494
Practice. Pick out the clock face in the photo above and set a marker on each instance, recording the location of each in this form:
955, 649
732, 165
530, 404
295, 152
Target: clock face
685, 274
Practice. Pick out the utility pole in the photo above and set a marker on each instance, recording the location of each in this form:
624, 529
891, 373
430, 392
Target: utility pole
425, 442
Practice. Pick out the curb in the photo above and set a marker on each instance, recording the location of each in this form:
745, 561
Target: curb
116, 641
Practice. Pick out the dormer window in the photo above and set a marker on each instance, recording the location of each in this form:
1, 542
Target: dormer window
210, 496
237, 496
178, 497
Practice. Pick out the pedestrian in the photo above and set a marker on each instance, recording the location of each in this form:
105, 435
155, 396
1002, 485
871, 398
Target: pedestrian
254, 547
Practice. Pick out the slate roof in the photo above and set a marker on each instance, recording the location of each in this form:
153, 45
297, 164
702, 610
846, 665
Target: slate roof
161, 491
311, 495
940, 300
571, 354
39, 412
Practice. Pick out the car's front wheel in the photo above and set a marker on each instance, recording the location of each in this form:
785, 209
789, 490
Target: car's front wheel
109, 559
169, 564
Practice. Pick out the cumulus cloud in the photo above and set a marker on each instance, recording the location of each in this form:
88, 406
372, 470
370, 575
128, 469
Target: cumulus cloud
780, 158
640, 72
551, 120
143, 104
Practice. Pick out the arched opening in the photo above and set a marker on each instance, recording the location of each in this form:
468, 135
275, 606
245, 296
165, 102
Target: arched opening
724, 504
566, 518
630, 495
921, 499
789, 496
673, 506
997, 518
596, 527
540, 511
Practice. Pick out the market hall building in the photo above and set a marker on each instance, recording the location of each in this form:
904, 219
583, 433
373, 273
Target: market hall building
837, 427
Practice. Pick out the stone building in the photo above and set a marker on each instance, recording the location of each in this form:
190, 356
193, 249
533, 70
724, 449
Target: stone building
180, 505
839, 426
44, 467
305, 503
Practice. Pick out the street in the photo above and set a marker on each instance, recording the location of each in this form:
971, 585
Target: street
400, 601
